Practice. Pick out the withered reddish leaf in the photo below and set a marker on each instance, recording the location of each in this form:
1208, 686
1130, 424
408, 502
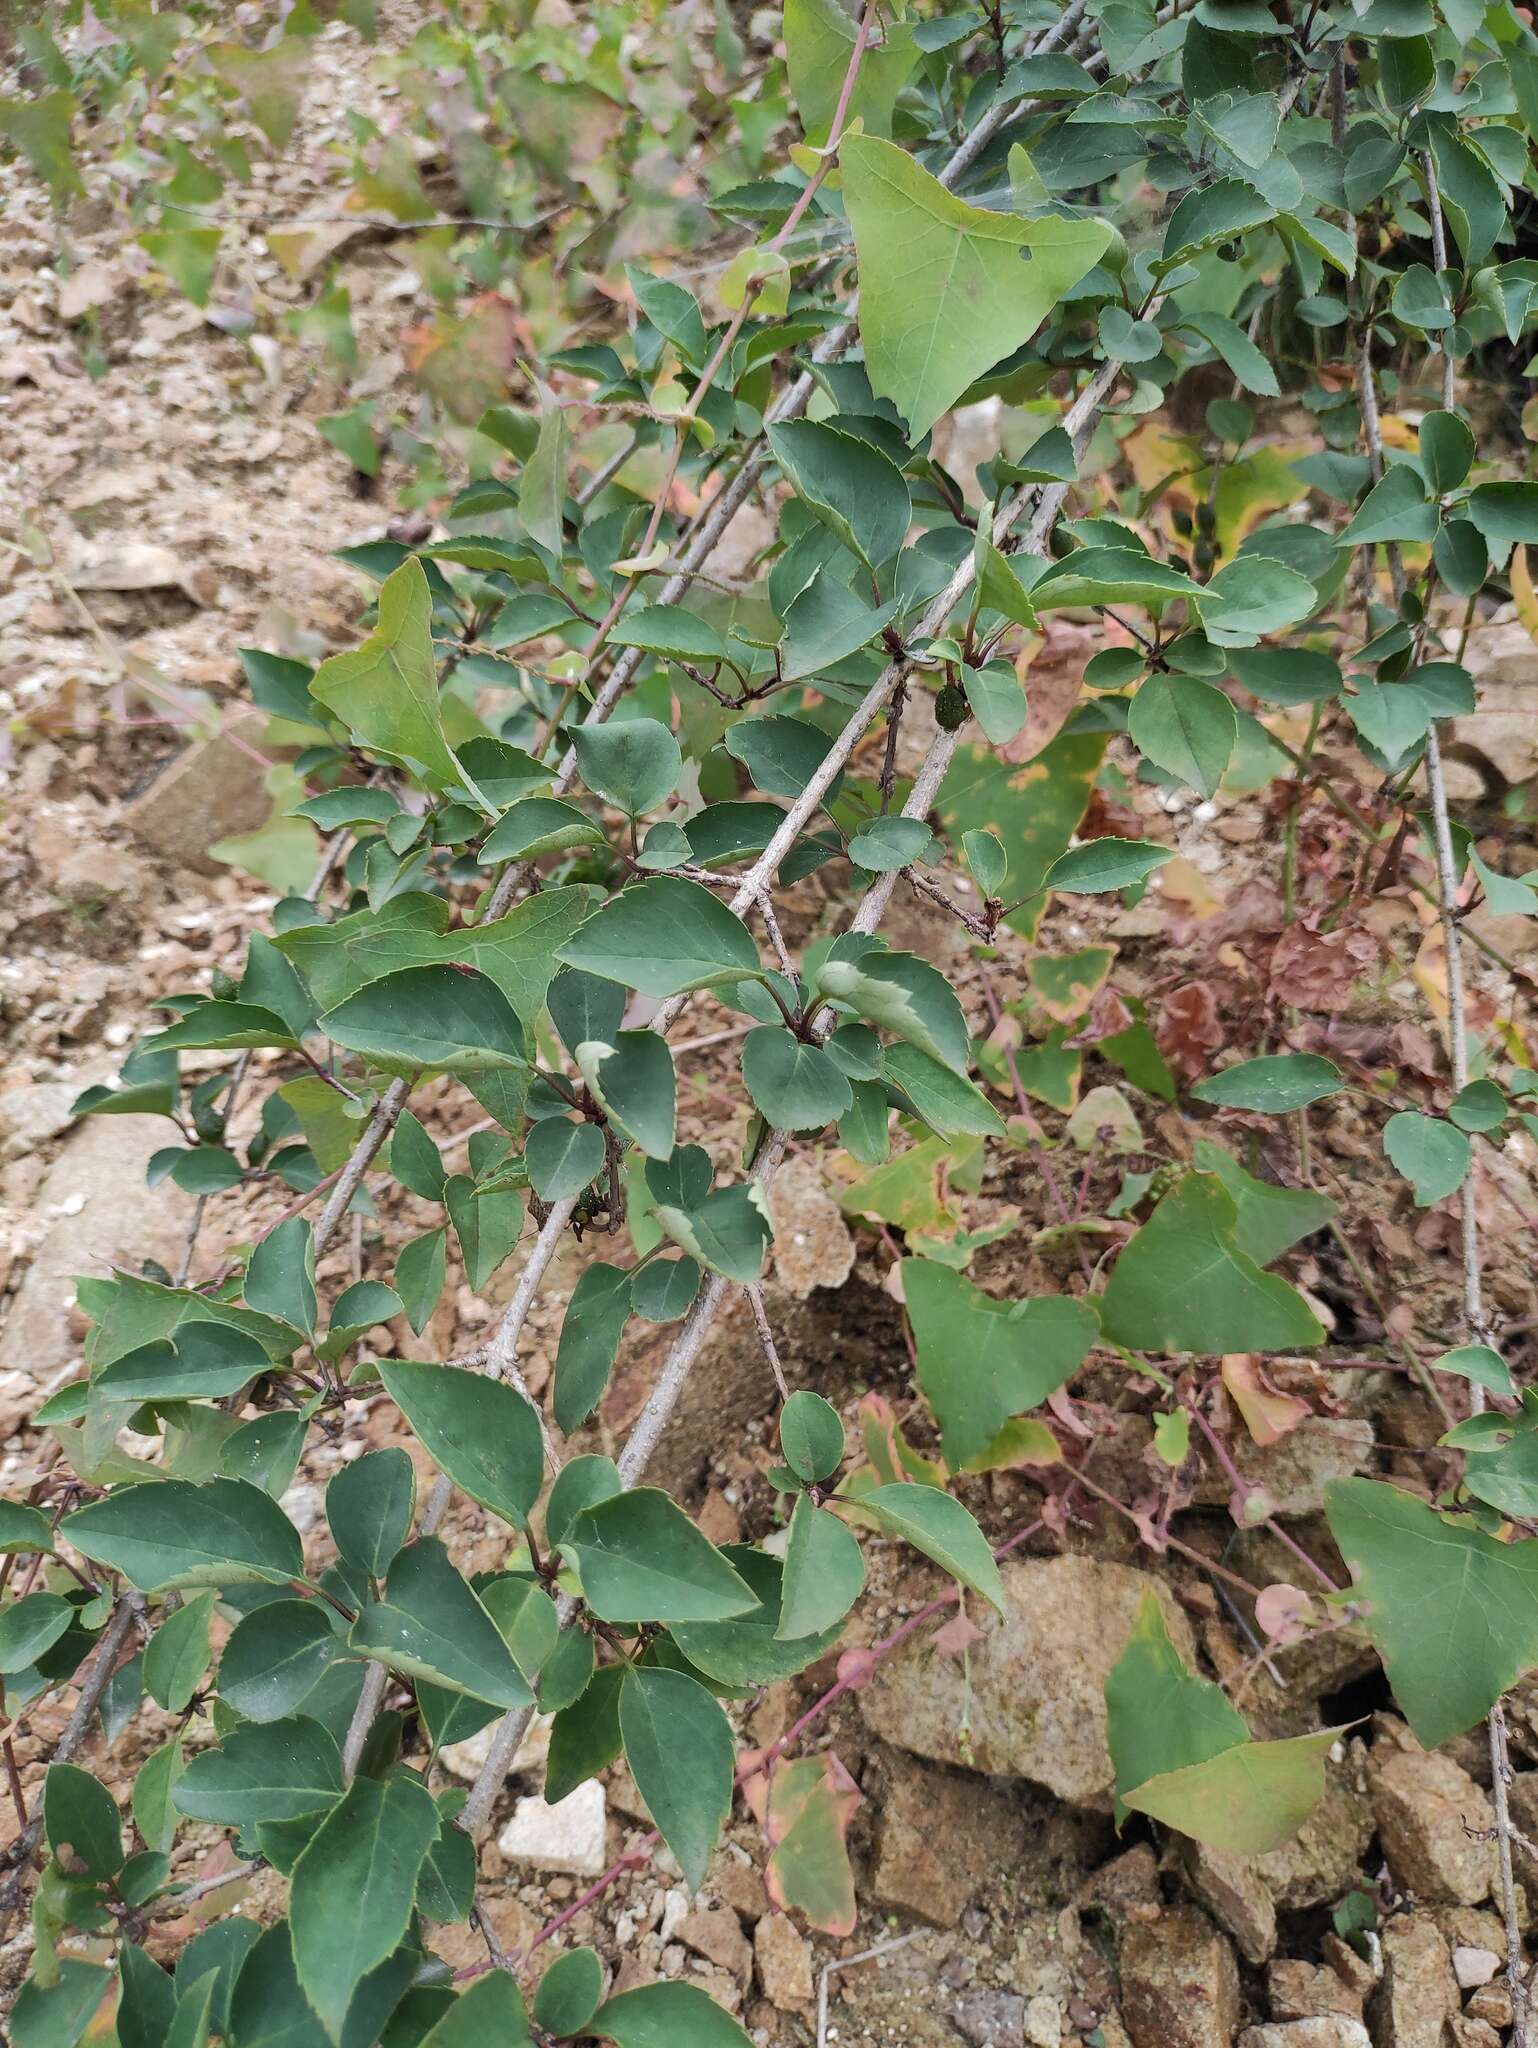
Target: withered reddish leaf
1268, 1413
1315, 970
1189, 1028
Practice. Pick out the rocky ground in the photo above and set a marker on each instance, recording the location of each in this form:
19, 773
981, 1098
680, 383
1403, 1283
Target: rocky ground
178, 504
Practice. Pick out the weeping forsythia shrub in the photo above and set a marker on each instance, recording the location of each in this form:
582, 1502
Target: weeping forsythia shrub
1132, 228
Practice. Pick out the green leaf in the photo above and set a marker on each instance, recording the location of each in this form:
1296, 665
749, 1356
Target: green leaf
275, 1657
23, 1528
1270, 1219
263, 1771
280, 1280
994, 691
1273, 1084
1429, 1152
542, 487
41, 126
419, 1270
449, 1019
1478, 1106
386, 691
946, 289
1160, 1716
888, 843
366, 1852
640, 1558
1446, 451
368, 1506
431, 1625
1101, 864
824, 1571
1247, 1801
585, 1736
1252, 596
633, 763
1186, 727
81, 1824
569, 1993
1229, 340
562, 1157
590, 1332
1210, 214
678, 1744
1505, 513
537, 825
488, 1223
57, 2017
1110, 575
30, 1627
1479, 1363
825, 623
662, 937
204, 1361
1395, 508
946, 1102
222, 1027
273, 2012
747, 1650
980, 1361
154, 1806
780, 754
168, 1533
1125, 339
1452, 1612
477, 1429
663, 1289
667, 2016
906, 996
633, 1079
858, 493
819, 43
811, 1437
672, 632
489, 2010
188, 256
177, 1654
1183, 1754
795, 1086
1183, 1284
937, 1524
727, 1230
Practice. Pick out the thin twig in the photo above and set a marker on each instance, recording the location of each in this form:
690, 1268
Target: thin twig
755, 1295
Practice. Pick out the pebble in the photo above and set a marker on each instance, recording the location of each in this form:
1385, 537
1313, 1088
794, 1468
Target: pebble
1473, 1967
569, 1836
783, 1958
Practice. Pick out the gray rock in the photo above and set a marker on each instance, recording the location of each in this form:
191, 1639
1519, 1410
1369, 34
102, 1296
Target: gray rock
941, 1839
1032, 1698
1419, 1991
990, 2019
94, 1195
1332, 2032
216, 790
1235, 1895
1426, 1804
1179, 1983
30, 1116
1296, 1470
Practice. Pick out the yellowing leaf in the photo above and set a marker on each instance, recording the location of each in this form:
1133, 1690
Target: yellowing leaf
386, 691
946, 289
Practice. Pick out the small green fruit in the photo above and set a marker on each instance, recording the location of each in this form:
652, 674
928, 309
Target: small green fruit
951, 708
